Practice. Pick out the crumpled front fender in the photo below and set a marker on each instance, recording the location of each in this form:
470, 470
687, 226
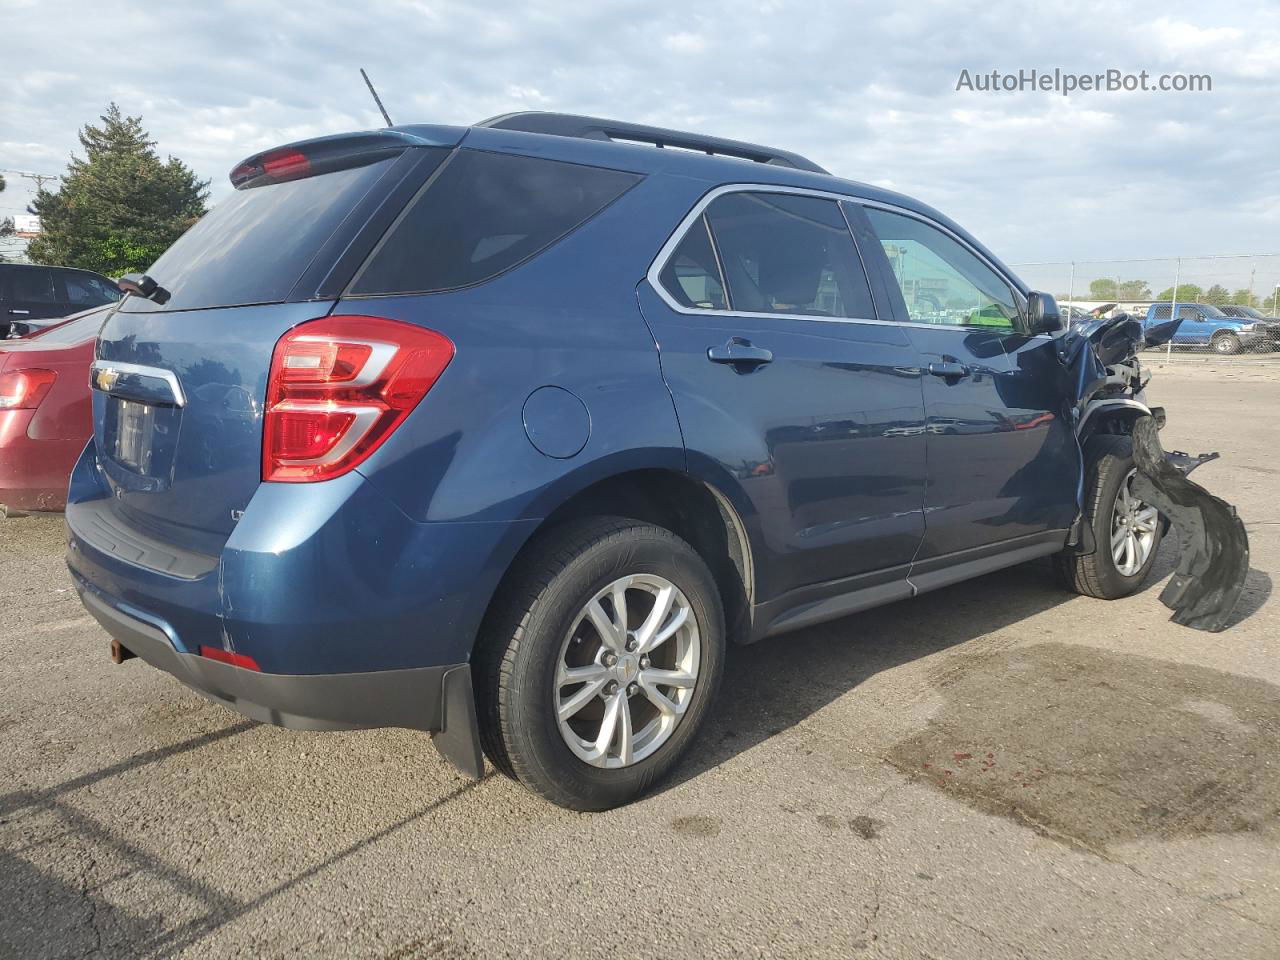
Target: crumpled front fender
1213, 547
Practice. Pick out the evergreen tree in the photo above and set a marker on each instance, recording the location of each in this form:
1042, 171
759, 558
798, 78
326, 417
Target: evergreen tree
121, 206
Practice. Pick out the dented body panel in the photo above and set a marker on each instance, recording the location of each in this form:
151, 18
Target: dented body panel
1213, 548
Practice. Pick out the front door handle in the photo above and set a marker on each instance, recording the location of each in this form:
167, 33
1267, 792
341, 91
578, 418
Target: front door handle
21, 313
736, 350
949, 370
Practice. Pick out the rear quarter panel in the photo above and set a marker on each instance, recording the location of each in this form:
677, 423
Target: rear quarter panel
568, 318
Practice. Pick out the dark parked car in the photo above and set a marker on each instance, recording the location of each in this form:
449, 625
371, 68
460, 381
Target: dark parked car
45, 415
1252, 314
32, 296
504, 432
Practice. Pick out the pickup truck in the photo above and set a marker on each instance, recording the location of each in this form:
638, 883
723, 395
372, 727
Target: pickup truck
1204, 325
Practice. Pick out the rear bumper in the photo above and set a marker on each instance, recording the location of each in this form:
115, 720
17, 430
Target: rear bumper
436, 699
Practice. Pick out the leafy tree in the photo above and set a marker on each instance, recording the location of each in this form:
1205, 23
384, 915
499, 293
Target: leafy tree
119, 208
1244, 298
1133, 290
1187, 293
1217, 295
6, 224
1104, 288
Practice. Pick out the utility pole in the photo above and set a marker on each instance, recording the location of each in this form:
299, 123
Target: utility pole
40, 179
1274, 301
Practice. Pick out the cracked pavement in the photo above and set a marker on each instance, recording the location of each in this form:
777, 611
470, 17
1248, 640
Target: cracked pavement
997, 769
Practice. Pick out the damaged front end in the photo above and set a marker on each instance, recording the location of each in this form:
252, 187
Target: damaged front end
1101, 358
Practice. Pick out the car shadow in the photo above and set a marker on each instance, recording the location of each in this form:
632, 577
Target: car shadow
779, 682
76, 919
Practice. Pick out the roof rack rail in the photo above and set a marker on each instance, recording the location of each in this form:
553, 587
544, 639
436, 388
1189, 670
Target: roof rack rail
595, 128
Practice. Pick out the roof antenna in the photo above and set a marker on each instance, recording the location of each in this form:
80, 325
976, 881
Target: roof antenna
376, 98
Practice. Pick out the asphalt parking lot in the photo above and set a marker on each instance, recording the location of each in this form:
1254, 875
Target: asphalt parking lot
994, 770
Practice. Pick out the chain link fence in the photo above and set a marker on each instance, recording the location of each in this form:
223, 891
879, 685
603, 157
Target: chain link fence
1229, 305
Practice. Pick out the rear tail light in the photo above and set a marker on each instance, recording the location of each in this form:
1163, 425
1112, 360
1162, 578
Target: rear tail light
338, 388
24, 389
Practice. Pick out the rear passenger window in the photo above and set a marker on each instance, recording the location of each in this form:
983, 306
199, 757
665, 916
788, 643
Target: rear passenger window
692, 275
483, 214
34, 286
942, 282
788, 254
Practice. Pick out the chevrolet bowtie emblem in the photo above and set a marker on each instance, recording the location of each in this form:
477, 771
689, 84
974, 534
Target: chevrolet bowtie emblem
106, 379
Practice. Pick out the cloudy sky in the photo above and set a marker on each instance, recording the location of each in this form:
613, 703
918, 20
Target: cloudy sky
866, 89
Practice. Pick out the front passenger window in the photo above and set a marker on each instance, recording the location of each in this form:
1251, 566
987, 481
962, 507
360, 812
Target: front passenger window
942, 281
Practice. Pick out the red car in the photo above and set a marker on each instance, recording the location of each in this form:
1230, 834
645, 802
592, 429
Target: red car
45, 410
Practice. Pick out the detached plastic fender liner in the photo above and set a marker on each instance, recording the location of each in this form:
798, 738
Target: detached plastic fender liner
1213, 548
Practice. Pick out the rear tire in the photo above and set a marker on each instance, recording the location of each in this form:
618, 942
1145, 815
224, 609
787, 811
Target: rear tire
1127, 532
541, 630
1225, 343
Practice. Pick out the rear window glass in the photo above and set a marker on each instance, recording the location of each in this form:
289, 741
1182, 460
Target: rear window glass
483, 214
253, 246
86, 290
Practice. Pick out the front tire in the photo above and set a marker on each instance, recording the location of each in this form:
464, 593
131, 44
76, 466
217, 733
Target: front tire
1226, 344
1126, 530
598, 663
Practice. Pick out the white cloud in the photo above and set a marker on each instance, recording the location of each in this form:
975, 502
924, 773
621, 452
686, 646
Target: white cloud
685, 43
864, 89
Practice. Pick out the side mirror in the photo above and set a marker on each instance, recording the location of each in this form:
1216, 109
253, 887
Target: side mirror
1043, 311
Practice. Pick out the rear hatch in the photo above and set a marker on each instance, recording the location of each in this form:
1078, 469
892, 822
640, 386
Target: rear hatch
180, 380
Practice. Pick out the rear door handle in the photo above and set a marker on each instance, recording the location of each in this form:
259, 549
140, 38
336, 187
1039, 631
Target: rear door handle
21, 313
736, 350
949, 370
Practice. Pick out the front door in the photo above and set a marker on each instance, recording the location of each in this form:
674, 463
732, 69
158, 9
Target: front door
1003, 461
788, 389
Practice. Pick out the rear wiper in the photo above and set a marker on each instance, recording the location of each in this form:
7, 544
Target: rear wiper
141, 285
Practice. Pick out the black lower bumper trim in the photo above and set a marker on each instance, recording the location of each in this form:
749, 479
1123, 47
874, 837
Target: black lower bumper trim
437, 699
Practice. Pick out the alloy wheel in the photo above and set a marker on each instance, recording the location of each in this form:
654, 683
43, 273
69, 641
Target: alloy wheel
626, 671
1133, 529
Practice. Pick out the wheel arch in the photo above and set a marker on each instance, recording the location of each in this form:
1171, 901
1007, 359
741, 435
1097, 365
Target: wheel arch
693, 509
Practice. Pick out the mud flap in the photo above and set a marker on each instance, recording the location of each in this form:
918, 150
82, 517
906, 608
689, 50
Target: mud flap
1213, 548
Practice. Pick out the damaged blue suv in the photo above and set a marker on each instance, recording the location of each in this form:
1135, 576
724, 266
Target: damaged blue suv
506, 432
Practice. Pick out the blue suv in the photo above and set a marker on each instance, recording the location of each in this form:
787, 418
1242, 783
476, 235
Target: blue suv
1204, 325
506, 432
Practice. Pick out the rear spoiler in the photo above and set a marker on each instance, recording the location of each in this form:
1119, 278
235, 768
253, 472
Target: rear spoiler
309, 158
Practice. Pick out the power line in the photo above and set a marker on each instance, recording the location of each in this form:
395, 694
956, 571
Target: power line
40, 178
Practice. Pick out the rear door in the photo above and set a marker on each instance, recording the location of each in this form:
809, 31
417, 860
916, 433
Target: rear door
1003, 461
180, 385
35, 293
785, 381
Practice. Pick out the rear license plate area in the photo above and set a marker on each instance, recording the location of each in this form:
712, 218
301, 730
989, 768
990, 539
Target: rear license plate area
135, 427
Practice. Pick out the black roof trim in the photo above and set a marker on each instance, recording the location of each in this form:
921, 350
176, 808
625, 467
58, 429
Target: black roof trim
596, 128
